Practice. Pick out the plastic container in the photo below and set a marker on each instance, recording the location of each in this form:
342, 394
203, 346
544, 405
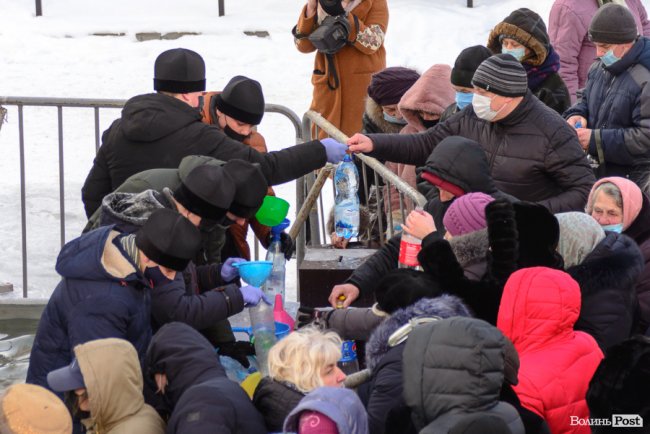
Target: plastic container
348, 363
263, 329
235, 370
254, 272
275, 283
273, 211
409, 247
281, 330
346, 202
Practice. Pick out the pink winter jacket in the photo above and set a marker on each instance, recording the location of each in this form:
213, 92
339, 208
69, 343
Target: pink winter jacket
431, 93
568, 26
538, 309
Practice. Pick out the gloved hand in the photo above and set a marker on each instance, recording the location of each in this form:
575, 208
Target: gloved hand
335, 150
252, 295
288, 245
238, 350
308, 315
228, 272
332, 7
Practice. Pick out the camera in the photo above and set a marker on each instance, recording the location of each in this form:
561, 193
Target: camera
331, 35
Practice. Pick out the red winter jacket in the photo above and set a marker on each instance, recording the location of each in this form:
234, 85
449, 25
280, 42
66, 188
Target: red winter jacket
538, 309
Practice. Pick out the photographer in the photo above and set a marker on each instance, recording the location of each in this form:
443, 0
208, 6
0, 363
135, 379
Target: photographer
348, 36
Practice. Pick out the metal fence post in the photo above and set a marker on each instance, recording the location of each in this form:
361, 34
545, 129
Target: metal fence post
39, 8
222, 8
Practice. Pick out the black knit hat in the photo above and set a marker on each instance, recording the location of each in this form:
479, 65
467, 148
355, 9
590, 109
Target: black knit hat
503, 75
179, 71
613, 24
169, 239
250, 187
388, 85
207, 191
466, 63
402, 287
242, 99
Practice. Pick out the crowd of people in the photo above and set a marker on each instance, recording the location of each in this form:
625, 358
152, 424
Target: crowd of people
529, 312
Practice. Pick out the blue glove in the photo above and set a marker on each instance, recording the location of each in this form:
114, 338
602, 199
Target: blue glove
252, 295
335, 150
228, 272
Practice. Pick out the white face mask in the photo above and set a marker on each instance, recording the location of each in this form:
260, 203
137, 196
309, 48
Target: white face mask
482, 107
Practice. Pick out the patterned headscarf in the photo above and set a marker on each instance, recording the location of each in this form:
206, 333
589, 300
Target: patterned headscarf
579, 235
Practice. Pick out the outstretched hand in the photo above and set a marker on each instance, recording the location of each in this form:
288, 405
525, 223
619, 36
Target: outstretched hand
360, 143
228, 271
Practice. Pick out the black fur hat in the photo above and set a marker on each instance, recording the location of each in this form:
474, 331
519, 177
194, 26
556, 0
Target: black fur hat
403, 287
179, 71
539, 234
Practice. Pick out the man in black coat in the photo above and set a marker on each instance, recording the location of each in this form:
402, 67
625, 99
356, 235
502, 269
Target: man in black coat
533, 154
159, 129
200, 397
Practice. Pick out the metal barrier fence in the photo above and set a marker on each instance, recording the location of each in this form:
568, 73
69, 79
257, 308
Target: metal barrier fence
96, 105
308, 189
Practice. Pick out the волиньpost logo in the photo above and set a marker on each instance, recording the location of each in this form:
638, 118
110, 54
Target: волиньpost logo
617, 421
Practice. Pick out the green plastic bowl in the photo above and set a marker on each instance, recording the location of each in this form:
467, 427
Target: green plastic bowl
273, 211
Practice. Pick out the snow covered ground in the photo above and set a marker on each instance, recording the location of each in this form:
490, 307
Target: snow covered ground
56, 56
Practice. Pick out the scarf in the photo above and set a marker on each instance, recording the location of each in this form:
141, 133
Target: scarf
128, 244
537, 74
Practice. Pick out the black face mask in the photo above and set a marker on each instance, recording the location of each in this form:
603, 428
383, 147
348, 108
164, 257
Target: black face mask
234, 135
429, 124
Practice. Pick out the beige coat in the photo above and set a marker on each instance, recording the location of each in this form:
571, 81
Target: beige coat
354, 63
113, 378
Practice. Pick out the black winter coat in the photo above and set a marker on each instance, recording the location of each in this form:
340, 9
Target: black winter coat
607, 278
639, 231
275, 401
533, 154
157, 131
554, 93
202, 399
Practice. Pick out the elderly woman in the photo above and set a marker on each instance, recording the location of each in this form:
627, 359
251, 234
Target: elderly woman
618, 205
523, 35
607, 266
298, 364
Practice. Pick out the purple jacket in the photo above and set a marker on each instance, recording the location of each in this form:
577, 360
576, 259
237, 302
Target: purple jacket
568, 25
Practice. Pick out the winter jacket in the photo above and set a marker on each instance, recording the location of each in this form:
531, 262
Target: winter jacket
616, 105
236, 234
384, 401
568, 28
340, 405
202, 398
539, 308
275, 400
157, 131
461, 162
607, 279
354, 64
113, 380
205, 300
102, 294
550, 168
456, 369
639, 231
431, 93
542, 64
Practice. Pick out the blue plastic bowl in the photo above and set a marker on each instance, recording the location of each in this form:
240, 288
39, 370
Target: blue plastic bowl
281, 330
254, 272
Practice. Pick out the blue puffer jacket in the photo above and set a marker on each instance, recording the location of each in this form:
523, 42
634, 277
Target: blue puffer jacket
616, 102
102, 295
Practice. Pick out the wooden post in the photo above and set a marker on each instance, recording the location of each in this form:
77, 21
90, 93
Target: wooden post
39, 8
470, 3
222, 8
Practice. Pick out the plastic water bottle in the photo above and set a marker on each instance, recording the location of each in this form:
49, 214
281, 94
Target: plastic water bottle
275, 283
235, 370
348, 363
263, 326
346, 208
409, 247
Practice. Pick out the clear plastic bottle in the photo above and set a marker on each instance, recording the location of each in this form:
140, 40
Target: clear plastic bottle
346, 207
235, 370
275, 283
263, 325
409, 247
348, 363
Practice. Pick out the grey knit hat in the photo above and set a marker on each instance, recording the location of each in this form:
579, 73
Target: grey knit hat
613, 24
503, 75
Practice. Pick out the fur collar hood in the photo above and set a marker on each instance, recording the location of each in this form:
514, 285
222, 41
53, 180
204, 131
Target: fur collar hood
375, 114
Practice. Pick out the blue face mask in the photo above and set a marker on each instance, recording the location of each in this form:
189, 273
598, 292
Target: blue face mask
393, 119
463, 99
618, 228
609, 58
517, 53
